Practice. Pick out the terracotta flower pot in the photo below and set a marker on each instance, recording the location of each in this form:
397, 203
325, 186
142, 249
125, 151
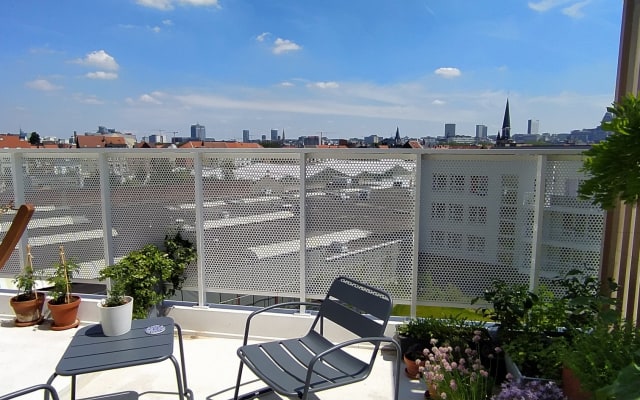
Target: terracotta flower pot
572, 387
412, 369
65, 314
28, 312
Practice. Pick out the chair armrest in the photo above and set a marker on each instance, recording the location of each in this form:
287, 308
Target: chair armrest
348, 343
279, 305
351, 342
47, 388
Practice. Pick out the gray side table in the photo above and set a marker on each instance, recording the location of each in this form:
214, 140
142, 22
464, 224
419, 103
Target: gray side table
149, 341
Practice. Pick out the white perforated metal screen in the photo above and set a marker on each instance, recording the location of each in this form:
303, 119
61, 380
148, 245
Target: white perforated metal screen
477, 215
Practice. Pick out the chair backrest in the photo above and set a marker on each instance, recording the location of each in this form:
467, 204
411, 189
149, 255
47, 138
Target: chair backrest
13, 235
351, 304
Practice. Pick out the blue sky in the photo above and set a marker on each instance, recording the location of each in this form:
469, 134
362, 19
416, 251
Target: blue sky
346, 68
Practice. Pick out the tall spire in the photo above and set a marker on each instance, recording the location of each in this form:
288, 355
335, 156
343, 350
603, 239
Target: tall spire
506, 123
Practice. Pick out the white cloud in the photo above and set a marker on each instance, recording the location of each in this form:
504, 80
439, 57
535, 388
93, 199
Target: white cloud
155, 29
286, 84
100, 59
284, 46
200, 3
261, 37
167, 22
324, 85
169, 4
575, 10
438, 102
546, 5
448, 72
87, 99
158, 4
102, 75
42, 84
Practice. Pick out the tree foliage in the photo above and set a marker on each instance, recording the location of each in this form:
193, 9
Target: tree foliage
614, 164
34, 139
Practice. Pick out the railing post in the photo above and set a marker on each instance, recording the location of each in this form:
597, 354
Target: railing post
105, 198
199, 203
303, 229
538, 213
415, 260
17, 161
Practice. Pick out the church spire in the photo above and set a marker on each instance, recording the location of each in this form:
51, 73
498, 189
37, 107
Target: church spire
504, 135
506, 123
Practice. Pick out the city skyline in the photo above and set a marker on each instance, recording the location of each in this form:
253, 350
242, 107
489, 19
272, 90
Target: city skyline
346, 69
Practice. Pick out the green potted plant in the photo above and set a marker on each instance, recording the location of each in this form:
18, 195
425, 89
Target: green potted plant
595, 357
534, 328
150, 275
63, 304
116, 310
27, 304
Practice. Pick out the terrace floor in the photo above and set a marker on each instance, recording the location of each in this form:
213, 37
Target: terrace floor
29, 355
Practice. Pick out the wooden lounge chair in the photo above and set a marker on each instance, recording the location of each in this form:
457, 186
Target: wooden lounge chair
17, 228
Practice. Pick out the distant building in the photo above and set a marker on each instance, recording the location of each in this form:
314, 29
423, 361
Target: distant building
449, 130
246, 138
153, 139
481, 133
274, 135
198, 132
533, 126
372, 140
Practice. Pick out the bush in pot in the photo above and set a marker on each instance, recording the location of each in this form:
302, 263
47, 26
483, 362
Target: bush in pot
150, 275
63, 304
27, 303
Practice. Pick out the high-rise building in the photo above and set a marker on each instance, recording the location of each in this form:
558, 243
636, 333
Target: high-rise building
198, 132
246, 138
274, 135
449, 130
481, 132
533, 126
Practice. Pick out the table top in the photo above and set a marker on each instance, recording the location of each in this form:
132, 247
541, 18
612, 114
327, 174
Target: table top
91, 351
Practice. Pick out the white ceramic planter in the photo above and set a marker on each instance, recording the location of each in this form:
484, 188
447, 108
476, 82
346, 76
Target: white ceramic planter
116, 321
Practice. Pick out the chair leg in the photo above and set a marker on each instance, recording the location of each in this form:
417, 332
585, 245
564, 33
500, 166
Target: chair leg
235, 395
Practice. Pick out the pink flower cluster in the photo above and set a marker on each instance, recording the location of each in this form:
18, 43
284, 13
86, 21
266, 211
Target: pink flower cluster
456, 373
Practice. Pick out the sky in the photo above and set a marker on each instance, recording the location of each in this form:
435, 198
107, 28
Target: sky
337, 68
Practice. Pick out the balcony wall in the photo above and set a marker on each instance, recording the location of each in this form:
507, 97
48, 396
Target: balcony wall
429, 226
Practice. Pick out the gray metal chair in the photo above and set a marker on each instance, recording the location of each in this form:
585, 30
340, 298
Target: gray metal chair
297, 367
48, 389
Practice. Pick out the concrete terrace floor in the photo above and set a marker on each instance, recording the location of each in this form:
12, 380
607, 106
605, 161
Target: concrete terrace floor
29, 356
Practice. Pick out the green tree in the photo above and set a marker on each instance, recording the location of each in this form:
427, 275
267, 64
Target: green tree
34, 139
614, 164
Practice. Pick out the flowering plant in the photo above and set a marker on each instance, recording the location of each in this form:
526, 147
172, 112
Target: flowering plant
530, 390
457, 373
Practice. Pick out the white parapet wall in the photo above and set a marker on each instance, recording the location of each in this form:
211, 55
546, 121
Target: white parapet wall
225, 321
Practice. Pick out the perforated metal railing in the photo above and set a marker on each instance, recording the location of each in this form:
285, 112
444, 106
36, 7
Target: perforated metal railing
429, 226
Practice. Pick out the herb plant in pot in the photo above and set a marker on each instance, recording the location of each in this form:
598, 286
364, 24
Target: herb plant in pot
27, 303
116, 310
63, 304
